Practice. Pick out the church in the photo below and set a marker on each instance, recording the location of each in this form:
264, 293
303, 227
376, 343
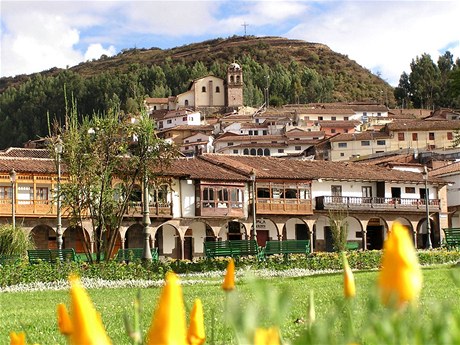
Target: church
208, 94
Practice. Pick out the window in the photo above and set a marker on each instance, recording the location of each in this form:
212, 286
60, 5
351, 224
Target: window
217, 89
333, 118
169, 121
232, 79
414, 136
365, 143
184, 118
410, 190
333, 130
203, 89
280, 150
380, 142
342, 154
256, 132
235, 152
431, 136
266, 152
246, 152
450, 136
298, 148
260, 152
401, 136
336, 192
342, 145
229, 144
5, 192
237, 79
306, 118
253, 152
379, 114
264, 132
208, 197
366, 191
345, 118
320, 118
250, 132
345, 131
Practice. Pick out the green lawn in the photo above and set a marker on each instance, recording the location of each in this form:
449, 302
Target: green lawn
34, 312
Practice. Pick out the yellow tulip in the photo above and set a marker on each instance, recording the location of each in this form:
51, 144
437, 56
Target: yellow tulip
64, 322
168, 323
267, 336
195, 334
400, 279
17, 338
87, 328
349, 288
229, 280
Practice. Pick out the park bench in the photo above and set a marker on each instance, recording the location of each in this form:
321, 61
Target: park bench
51, 255
234, 248
287, 247
452, 237
352, 245
6, 259
133, 254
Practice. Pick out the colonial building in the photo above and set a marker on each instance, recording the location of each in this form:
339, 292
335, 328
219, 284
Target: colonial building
211, 197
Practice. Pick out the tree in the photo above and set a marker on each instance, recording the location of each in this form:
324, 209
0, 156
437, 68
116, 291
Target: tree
339, 228
424, 81
104, 157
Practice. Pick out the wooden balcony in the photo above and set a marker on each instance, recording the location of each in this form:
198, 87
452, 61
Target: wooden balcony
220, 209
283, 206
156, 209
28, 208
375, 203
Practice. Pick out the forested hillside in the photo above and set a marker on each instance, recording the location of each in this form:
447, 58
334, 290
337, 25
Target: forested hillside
295, 72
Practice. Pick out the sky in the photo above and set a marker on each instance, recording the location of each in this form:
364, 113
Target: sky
382, 36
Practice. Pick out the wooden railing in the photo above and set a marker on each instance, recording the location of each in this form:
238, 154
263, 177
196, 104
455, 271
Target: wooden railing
363, 203
28, 208
283, 206
155, 209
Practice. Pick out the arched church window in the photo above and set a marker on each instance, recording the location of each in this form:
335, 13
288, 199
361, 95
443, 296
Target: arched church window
203, 89
237, 79
217, 89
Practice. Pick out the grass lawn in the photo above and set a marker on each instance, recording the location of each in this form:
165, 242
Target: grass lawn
35, 312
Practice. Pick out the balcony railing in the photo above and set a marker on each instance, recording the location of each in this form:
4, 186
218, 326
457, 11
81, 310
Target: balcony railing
28, 208
283, 206
155, 209
377, 203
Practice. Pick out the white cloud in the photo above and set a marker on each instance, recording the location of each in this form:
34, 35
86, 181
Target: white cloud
95, 50
384, 36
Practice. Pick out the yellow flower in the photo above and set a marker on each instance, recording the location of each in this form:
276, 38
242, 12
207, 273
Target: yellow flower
168, 323
229, 280
64, 322
17, 338
267, 336
195, 334
84, 327
349, 288
400, 279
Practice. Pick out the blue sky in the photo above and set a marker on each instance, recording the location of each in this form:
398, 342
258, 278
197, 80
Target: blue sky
382, 36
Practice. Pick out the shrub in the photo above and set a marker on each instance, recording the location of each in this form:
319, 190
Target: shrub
14, 241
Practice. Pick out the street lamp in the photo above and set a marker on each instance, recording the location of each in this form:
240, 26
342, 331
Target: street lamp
13, 193
427, 200
252, 177
58, 149
146, 252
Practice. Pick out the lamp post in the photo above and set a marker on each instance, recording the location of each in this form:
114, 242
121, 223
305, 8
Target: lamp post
146, 252
13, 194
427, 200
252, 177
58, 149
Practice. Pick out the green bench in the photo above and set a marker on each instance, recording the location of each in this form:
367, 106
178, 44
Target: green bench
6, 259
452, 238
51, 255
133, 254
287, 247
352, 245
234, 248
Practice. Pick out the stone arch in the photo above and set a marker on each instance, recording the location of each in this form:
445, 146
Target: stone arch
296, 229
266, 230
320, 229
407, 224
233, 230
376, 230
168, 241
196, 234
422, 233
44, 237
134, 237
77, 238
